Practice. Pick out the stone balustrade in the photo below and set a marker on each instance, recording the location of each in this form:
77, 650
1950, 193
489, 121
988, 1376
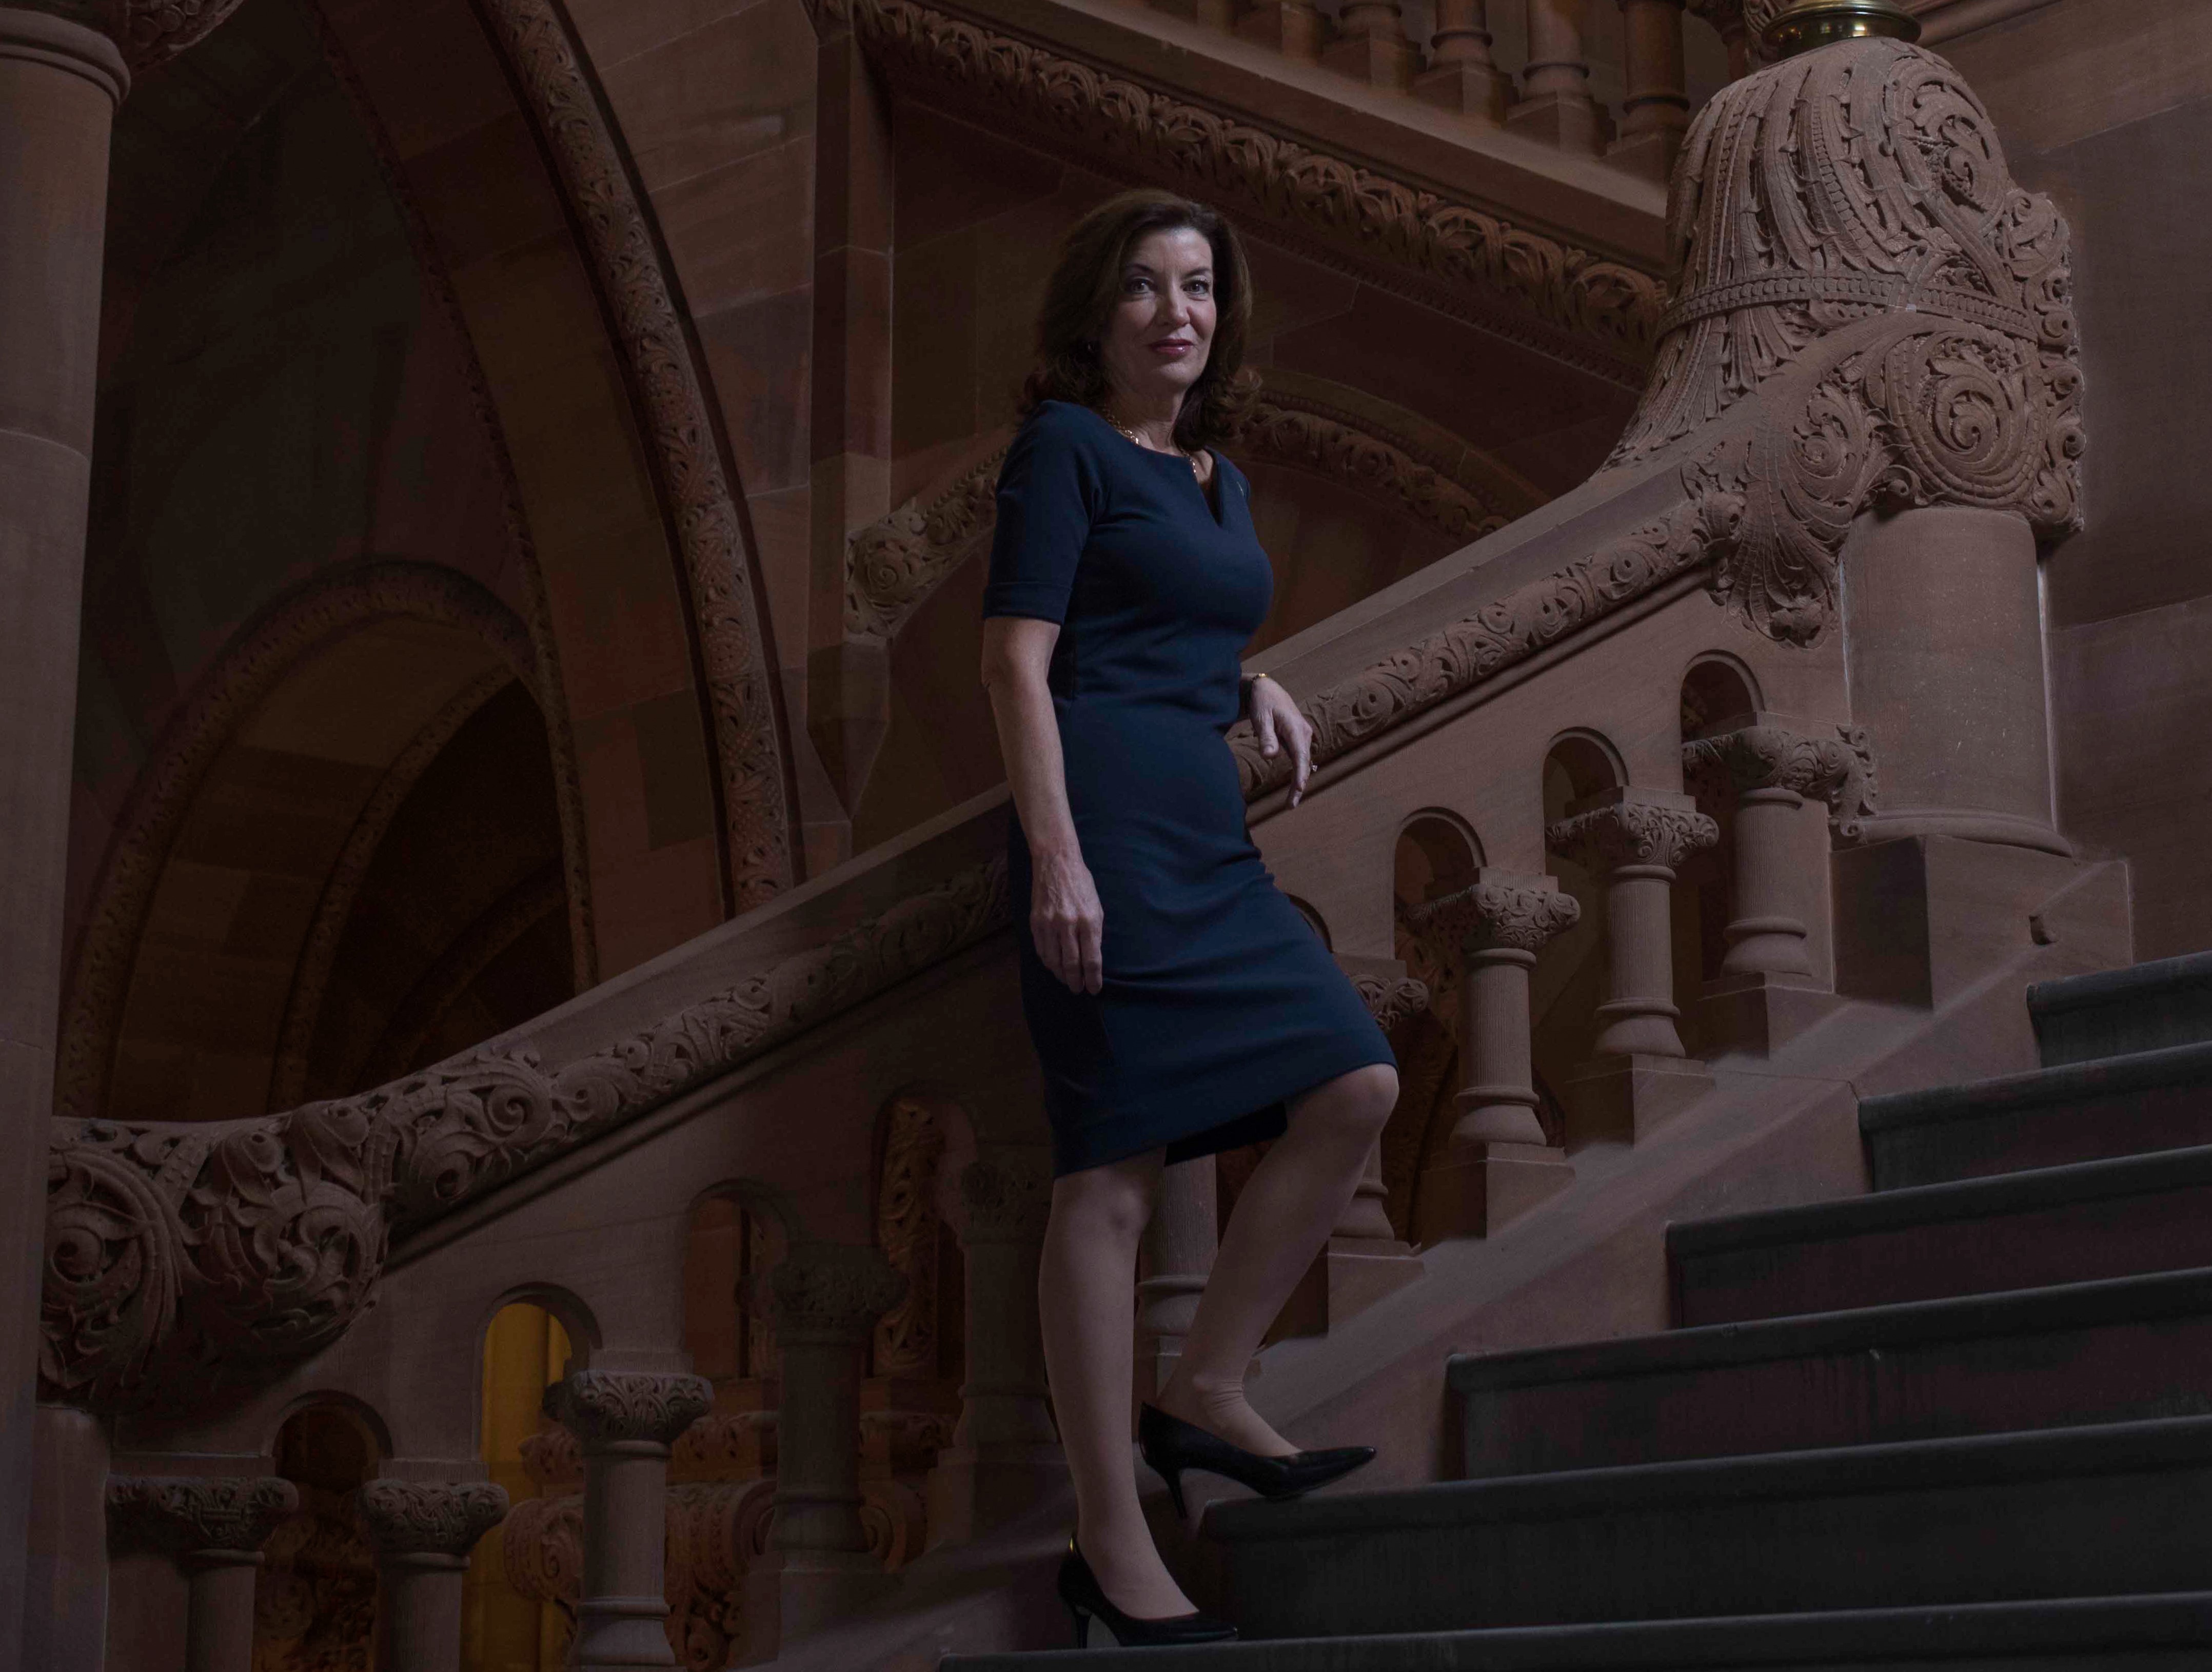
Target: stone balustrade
422, 1533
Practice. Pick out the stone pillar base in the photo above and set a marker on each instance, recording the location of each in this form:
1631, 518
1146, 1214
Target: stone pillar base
1569, 121
970, 1491
1473, 90
1375, 58
1624, 1100
1649, 154
813, 1588
1481, 1191
1760, 1013
1346, 1278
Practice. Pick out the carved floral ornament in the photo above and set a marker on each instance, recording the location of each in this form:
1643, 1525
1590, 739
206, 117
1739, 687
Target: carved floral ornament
1492, 914
191, 1514
1391, 1000
831, 1293
430, 1517
1633, 833
1839, 770
604, 1407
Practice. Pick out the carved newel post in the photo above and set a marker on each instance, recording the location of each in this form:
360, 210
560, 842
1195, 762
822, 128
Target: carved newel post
1633, 839
625, 1421
423, 1532
828, 1297
216, 1529
1005, 1453
1499, 1163
1777, 978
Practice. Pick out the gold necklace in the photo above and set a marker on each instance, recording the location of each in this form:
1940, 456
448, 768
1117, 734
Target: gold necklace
1138, 440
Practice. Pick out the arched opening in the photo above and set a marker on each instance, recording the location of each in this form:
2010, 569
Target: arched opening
314, 1596
518, 1597
1717, 691
1568, 982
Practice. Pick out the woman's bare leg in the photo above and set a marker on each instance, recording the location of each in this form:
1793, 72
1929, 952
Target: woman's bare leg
1283, 1214
1087, 1296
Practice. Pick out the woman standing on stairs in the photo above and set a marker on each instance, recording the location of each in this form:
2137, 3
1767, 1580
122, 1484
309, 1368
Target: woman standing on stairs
1180, 1005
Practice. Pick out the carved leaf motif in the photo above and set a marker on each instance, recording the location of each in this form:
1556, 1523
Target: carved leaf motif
1487, 915
606, 1407
907, 1230
1005, 1196
1837, 770
404, 1518
186, 1513
1633, 833
832, 1292
1390, 1002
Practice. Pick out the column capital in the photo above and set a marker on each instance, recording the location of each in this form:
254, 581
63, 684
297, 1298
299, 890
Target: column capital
1499, 910
832, 1292
198, 1515
1005, 1196
606, 1408
1633, 827
430, 1517
1836, 769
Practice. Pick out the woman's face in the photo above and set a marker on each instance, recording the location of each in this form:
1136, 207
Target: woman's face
1161, 330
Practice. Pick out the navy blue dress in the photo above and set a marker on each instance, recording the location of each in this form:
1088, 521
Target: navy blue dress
1219, 1001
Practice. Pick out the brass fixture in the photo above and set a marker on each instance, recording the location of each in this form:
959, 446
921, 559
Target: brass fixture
1804, 24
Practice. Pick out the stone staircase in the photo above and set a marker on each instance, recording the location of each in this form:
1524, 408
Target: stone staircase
1963, 1421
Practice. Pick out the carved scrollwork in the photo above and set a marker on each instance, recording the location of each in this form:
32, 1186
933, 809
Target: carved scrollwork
1514, 628
541, 1543
1390, 1001
602, 1407
681, 435
1837, 770
180, 1256
907, 1230
1846, 218
1575, 293
832, 1292
1633, 832
1490, 915
1006, 1195
192, 1515
430, 1517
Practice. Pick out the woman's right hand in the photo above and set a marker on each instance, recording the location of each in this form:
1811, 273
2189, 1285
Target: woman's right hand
1066, 923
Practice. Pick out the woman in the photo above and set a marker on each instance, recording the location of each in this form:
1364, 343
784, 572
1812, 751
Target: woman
1179, 1004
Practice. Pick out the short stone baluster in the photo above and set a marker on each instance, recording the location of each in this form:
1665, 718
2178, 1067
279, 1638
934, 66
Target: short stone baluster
1655, 114
1005, 1453
1373, 45
1777, 978
423, 1532
1180, 1243
1638, 1076
1461, 75
827, 1296
1555, 103
625, 1422
215, 1528
1500, 1164
1295, 28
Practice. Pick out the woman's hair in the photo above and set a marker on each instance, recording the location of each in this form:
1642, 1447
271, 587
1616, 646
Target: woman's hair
1086, 285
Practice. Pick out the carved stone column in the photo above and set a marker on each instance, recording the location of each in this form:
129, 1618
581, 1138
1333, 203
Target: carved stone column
1462, 76
625, 1421
828, 1297
1656, 114
1633, 839
1500, 1164
215, 1528
1180, 1242
423, 1532
1777, 977
1555, 105
1005, 1453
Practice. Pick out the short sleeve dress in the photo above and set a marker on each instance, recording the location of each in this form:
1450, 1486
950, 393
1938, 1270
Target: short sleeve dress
1219, 1001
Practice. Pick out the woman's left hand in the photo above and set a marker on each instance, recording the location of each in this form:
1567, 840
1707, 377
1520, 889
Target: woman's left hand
1282, 725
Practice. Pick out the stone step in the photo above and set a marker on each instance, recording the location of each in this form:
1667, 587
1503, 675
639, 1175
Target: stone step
2047, 1117
2117, 1351
2138, 1633
2117, 1511
2094, 1219
2144, 1007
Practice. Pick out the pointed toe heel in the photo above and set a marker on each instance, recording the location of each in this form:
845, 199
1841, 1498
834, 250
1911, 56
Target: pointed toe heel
1095, 1616
1170, 1445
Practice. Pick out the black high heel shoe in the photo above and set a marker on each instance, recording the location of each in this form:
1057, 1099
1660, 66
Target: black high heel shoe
1086, 1601
1171, 1445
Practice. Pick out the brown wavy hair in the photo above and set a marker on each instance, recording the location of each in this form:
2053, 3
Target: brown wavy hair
1086, 284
